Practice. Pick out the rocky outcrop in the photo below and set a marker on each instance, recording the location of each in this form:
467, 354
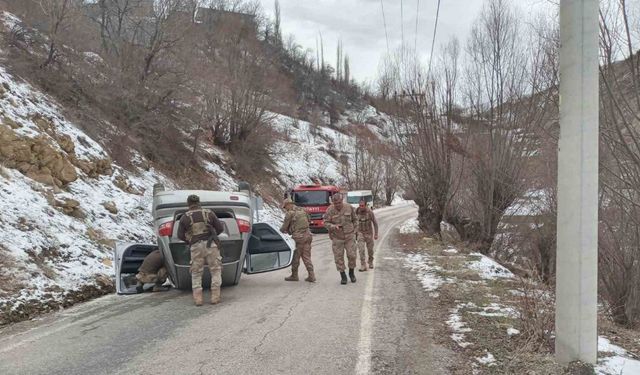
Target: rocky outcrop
12, 124
125, 185
111, 207
94, 168
70, 207
36, 158
39, 159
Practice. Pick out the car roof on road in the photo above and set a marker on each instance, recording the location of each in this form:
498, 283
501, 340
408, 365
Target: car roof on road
180, 196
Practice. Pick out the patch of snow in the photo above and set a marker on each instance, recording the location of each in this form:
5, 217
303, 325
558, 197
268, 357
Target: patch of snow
398, 200
487, 360
10, 20
272, 215
458, 326
604, 345
450, 250
426, 272
488, 268
533, 203
618, 364
410, 227
512, 332
497, 310
225, 181
93, 57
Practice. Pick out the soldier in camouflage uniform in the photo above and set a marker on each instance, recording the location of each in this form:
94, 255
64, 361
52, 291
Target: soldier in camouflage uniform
195, 228
296, 223
367, 232
341, 221
152, 271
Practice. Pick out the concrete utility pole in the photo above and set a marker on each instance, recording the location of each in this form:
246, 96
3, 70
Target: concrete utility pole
577, 252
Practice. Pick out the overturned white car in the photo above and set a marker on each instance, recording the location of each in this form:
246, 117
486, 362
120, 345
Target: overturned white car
246, 246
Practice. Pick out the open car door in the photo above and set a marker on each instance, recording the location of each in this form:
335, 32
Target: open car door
268, 250
127, 258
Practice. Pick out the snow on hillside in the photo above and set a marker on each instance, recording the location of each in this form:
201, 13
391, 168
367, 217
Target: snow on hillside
53, 240
310, 152
303, 155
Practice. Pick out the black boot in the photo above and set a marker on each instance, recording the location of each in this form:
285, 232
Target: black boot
352, 275
344, 278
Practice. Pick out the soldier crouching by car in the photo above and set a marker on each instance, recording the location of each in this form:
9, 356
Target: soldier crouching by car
152, 271
200, 228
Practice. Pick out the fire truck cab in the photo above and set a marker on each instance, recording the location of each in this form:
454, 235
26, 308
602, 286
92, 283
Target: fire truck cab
315, 199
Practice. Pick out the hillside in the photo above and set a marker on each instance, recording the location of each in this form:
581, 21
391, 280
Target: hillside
66, 197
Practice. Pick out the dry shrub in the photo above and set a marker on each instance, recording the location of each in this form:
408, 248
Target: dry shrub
251, 158
536, 307
618, 259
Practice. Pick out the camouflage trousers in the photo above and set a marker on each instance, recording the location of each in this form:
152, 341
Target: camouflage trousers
339, 247
155, 278
303, 250
365, 240
201, 254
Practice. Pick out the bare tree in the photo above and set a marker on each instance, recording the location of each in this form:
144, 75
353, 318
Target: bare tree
364, 169
60, 14
277, 31
347, 70
503, 111
423, 137
619, 252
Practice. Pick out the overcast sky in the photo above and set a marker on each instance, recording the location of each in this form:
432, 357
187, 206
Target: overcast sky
359, 23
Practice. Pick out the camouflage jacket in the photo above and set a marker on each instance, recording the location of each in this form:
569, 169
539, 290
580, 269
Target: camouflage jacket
198, 214
152, 263
367, 223
345, 219
296, 222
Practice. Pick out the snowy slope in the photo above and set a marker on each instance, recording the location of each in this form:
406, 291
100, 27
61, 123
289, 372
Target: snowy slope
54, 240
303, 156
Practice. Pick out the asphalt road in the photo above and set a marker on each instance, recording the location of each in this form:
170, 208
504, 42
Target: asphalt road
263, 326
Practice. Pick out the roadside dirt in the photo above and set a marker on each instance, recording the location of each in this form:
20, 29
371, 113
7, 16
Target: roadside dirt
54, 300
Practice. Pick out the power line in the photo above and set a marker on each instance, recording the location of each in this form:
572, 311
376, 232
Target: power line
384, 21
433, 42
415, 43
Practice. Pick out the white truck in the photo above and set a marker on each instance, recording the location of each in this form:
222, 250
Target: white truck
246, 246
354, 197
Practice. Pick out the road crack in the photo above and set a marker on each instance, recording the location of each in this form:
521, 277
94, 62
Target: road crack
283, 322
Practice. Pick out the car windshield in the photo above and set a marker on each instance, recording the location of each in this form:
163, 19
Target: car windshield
356, 199
311, 198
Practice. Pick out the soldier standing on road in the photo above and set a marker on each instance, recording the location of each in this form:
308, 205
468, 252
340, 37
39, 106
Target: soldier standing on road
340, 219
152, 271
196, 228
367, 232
296, 223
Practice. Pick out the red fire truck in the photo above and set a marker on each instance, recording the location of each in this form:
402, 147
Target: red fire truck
315, 199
